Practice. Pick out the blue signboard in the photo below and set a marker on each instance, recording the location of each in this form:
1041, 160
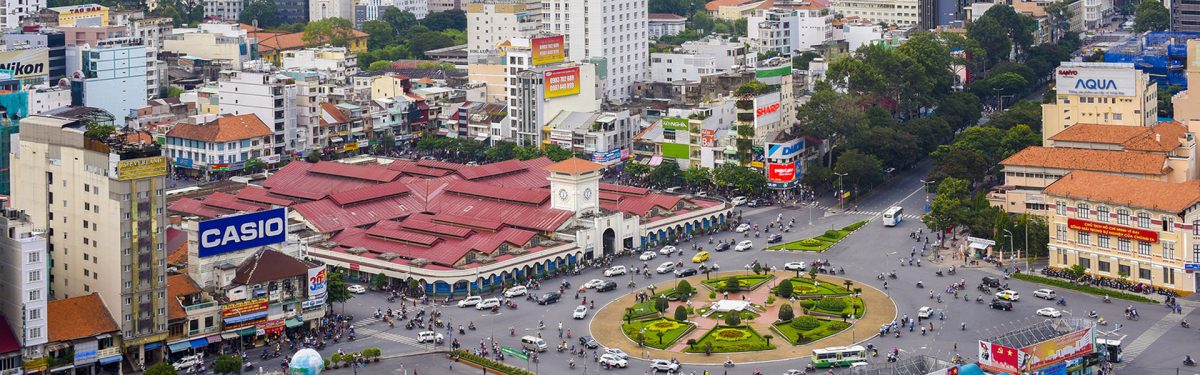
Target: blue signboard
183, 162
233, 233
1193, 267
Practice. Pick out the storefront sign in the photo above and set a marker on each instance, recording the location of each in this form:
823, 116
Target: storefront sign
271, 159
675, 123
318, 282
1074, 79
312, 303
141, 168
786, 150
708, 138
233, 233
1113, 230
777, 172
767, 109
548, 50
244, 307
610, 155
1059, 349
85, 352
270, 327
183, 162
562, 82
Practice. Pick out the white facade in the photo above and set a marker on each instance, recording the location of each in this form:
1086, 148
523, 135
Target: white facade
660, 25
115, 79
24, 277
786, 31
322, 9
272, 98
444, 5
899, 12
727, 55
670, 67
16, 10
491, 23
218, 41
614, 30
224, 9
203, 153
858, 34
44, 98
532, 109
335, 63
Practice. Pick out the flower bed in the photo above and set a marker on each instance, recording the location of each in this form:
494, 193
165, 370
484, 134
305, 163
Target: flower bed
745, 282
819, 243
745, 315
644, 309
805, 287
726, 339
670, 331
496, 367
806, 329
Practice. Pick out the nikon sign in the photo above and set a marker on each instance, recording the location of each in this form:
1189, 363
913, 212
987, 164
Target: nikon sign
1107, 79
26, 63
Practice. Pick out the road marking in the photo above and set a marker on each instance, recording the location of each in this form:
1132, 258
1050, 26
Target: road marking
370, 332
1149, 336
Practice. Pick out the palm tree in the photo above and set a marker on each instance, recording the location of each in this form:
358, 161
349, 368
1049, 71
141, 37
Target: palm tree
848, 284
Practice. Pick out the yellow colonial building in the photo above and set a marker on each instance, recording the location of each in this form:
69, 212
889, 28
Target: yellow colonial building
1099, 93
1125, 227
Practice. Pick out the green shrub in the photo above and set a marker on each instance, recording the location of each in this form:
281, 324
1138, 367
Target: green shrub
684, 287
831, 304
808, 304
732, 319
484, 362
833, 234
785, 288
786, 313
712, 294
660, 304
680, 313
1082, 288
806, 323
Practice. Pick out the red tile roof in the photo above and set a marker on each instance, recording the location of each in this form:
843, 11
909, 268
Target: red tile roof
225, 129
362, 172
493, 169
260, 195
196, 208
8, 340
481, 190
331, 114
179, 286
430, 163
369, 192
624, 189
574, 166
78, 317
412, 168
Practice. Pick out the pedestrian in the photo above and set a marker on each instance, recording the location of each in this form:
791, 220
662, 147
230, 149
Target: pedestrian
956, 346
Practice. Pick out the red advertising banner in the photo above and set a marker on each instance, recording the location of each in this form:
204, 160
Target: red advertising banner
1113, 230
244, 307
708, 137
1066, 347
999, 358
781, 172
269, 327
548, 50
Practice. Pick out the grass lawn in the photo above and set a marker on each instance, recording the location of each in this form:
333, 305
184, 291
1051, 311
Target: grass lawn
726, 339
746, 282
829, 305
821, 242
804, 286
745, 315
642, 309
823, 328
1082, 288
670, 331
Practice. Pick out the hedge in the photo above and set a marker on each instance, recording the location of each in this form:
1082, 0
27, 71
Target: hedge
1082, 288
490, 364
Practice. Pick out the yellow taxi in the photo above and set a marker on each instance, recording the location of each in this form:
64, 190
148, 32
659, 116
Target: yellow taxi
700, 257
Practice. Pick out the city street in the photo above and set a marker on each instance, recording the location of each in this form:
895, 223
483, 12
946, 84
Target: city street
872, 250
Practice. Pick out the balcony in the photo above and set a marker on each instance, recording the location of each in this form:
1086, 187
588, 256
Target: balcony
202, 331
199, 306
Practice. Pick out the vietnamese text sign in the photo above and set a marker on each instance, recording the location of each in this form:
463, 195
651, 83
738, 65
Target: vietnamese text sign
781, 172
548, 50
708, 138
318, 282
244, 307
675, 123
1113, 230
562, 82
233, 233
1096, 80
26, 63
1059, 349
132, 169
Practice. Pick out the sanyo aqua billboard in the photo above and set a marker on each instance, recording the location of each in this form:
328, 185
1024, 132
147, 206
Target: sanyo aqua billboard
1110, 79
233, 233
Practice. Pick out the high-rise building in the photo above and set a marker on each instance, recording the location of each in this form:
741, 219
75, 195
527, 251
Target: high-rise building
24, 277
292, 11
16, 10
53, 40
102, 205
115, 77
226, 9
492, 22
611, 31
322, 9
787, 31
902, 13
270, 97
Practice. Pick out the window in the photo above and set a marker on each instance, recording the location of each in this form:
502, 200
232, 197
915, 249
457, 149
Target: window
1060, 207
1143, 248
1102, 213
1196, 253
1168, 224
1081, 210
1104, 266
1102, 241
1143, 219
1086, 263
1060, 232
1144, 273
35, 257
1168, 250
1123, 270
1084, 238
35, 295
35, 276
128, 317
1123, 216
35, 313
35, 332
1123, 244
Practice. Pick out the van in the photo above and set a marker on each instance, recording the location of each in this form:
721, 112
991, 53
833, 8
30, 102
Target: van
673, 190
533, 343
991, 281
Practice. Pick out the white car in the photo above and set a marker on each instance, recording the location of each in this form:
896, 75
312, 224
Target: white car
793, 372
518, 290
648, 255
665, 267
470, 301
743, 228
1046, 294
616, 352
580, 312
1049, 312
188, 362
795, 266
1010, 295
664, 365
738, 200
429, 336
356, 289
613, 361
668, 250
593, 283
924, 312
744, 245
614, 271
488, 303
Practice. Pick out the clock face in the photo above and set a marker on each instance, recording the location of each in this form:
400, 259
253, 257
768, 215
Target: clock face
562, 193
587, 193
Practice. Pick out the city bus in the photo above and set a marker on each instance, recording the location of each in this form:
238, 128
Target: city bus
892, 216
835, 356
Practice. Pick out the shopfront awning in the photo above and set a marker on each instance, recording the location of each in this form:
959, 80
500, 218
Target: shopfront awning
229, 335
153, 345
655, 161
481, 137
199, 343
336, 139
179, 347
113, 359
251, 331
979, 245
293, 323
214, 339
245, 318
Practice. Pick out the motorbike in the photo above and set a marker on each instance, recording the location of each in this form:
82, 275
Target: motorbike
471, 326
728, 363
1101, 321
892, 275
1092, 314
979, 300
511, 305
1185, 324
1187, 361
920, 285
1107, 300
1062, 302
939, 274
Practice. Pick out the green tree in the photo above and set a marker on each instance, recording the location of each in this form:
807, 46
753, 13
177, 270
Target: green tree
265, 12
949, 206
380, 33
786, 313
802, 60
829, 115
1017, 139
1019, 27
1165, 93
338, 291
666, 174
861, 171
448, 20
255, 165
313, 156
399, 19
784, 290
227, 364
379, 281
661, 304
161, 368
680, 313
959, 163
429, 40
380, 65
501, 151
1028, 112
683, 287
1151, 15
732, 318
529, 152
172, 92
332, 31
1078, 270
637, 169
557, 153
992, 37
697, 177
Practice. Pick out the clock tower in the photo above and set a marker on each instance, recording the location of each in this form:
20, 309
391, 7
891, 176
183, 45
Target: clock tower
575, 185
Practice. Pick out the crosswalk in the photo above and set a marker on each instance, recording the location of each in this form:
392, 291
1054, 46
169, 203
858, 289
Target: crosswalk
1149, 336
364, 329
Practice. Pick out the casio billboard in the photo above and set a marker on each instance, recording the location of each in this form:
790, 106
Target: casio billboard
233, 233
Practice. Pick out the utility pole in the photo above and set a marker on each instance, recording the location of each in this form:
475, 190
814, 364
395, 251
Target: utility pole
841, 190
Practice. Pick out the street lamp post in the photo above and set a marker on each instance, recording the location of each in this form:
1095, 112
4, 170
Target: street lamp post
1011, 246
925, 185
841, 189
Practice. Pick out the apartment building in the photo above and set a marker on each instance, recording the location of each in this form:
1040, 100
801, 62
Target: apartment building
24, 278
902, 13
610, 30
787, 31
490, 23
269, 96
222, 144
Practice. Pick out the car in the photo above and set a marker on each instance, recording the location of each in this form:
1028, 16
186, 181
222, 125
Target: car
188, 362
756, 203
470, 301
614, 271
991, 281
700, 257
793, 372
593, 283
1010, 295
924, 312
686, 272
429, 336
744, 245
1046, 294
666, 250
795, 266
488, 303
580, 312
548, 298
664, 365
518, 290
775, 238
356, 289
613, 361
1001, 305
665, 267
608, 286
647, 255
722, 246
1049, 312
743, 228
738, 200
616, 353
588, 342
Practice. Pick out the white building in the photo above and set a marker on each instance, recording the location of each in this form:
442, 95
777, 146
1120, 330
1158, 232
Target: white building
44, 98
218, 41
858, 33
370, 10
271, 97
613, 30
602, 134
17, 10
901, 13
789, 30
24, 277
231, 140
541, 93
322, 9
492, 22
224, 9
444, 5
663, 24
671, 67
728, 55
114, 77
333, 63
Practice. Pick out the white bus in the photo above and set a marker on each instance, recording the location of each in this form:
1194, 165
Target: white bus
836, 356
892, 216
